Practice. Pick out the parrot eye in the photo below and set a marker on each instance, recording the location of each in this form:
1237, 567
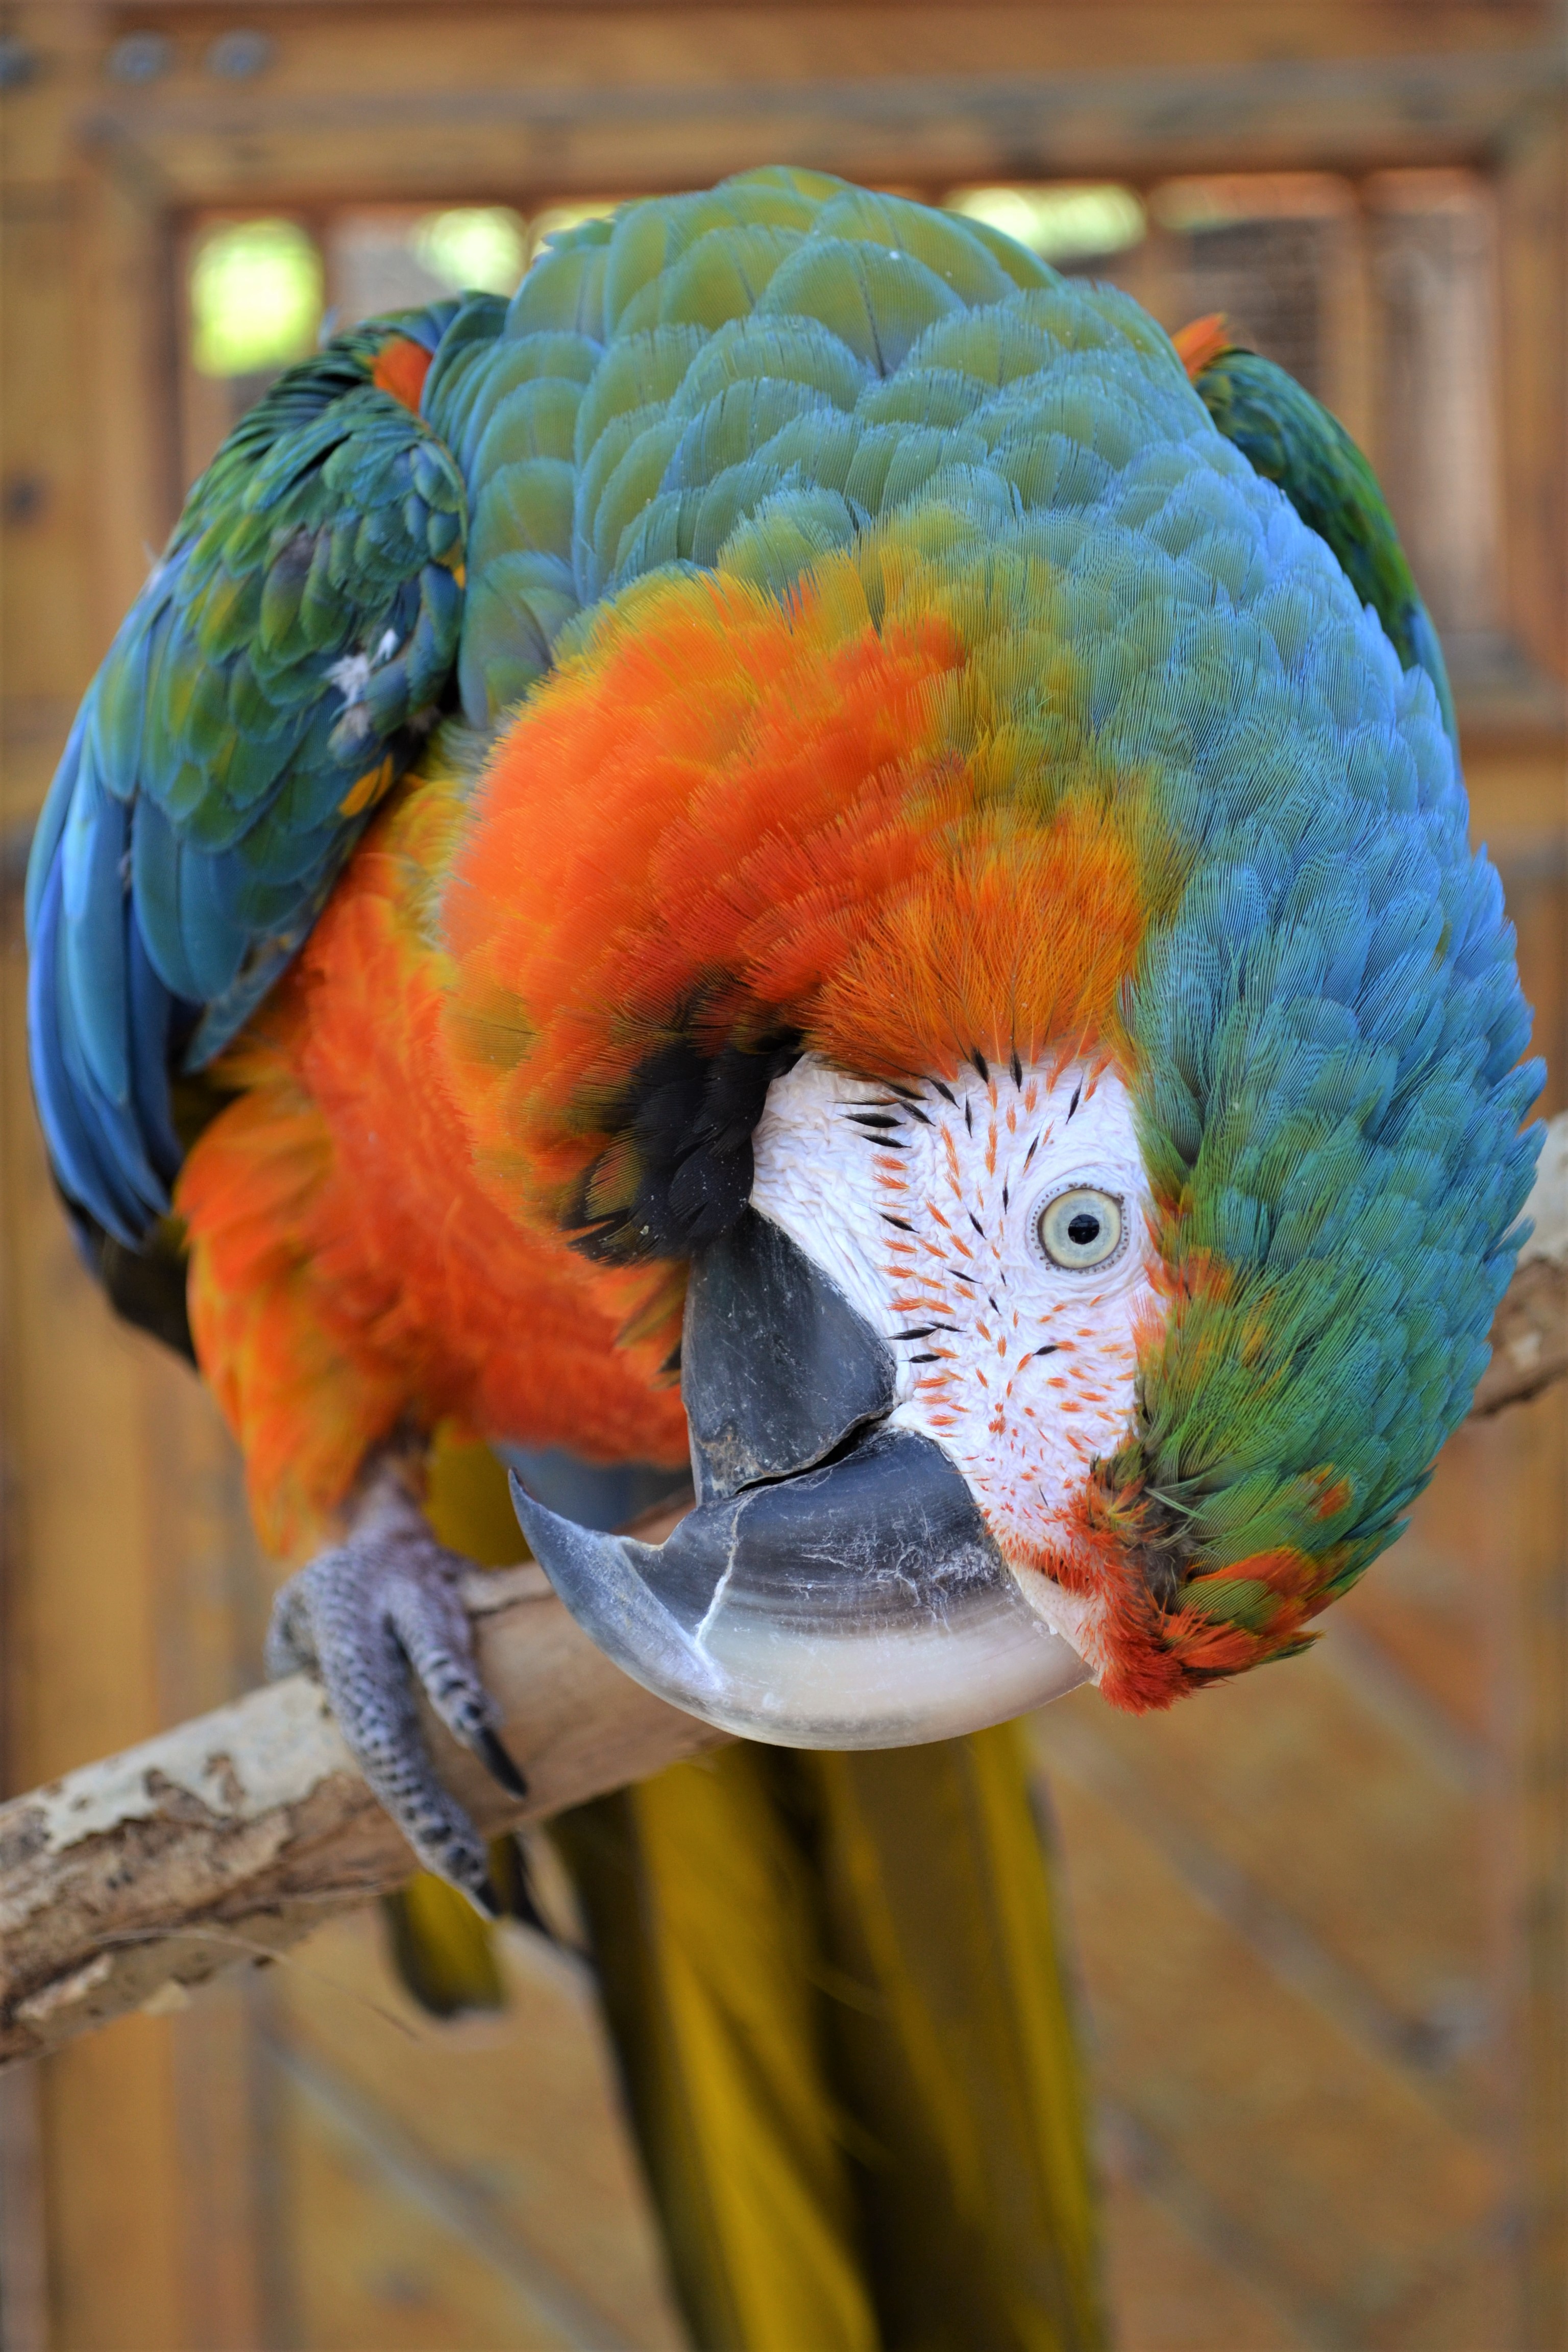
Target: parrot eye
1081, 1228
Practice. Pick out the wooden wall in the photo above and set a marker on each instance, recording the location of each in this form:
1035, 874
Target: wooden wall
1289, 1872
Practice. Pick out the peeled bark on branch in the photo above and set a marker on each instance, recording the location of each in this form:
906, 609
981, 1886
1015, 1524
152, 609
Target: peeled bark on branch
229, 1837
1529, 1330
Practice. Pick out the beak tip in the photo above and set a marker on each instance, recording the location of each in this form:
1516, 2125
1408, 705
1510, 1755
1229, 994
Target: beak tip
600, 1581
522, 1502
859, 1606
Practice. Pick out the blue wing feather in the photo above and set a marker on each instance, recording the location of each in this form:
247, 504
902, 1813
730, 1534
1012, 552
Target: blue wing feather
155, 897
214, 942
92, 857
92, 1172
195, 824
154, 1013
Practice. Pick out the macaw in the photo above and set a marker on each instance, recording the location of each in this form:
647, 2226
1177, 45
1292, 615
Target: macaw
810, 853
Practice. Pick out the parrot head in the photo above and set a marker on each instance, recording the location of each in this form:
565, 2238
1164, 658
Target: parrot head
898, 1365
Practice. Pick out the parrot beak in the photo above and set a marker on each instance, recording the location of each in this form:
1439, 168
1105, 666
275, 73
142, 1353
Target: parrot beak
835, 1586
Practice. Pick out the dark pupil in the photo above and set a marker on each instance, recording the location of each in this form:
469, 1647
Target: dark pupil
1084, 1229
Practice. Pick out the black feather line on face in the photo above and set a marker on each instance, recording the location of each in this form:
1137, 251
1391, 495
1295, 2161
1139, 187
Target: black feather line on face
688, 1118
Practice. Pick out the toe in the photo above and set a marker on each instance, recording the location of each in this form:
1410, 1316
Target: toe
437, 1638
371, 1618
394, 1761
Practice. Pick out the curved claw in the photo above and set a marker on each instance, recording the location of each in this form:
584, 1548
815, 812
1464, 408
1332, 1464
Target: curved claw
372, 1619
860, 1604
502, 1767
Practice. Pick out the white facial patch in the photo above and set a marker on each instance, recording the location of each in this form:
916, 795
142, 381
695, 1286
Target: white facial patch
941, 1210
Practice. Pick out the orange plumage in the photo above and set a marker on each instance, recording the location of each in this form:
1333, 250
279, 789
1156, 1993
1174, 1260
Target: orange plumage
740, 816
401, 368
348, 1271
726, 813
1201, 341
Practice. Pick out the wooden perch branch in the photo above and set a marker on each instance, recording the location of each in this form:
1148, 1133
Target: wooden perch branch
229, 1837
1529, 1330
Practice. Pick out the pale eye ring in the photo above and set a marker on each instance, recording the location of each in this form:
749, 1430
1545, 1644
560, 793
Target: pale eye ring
1081, 1229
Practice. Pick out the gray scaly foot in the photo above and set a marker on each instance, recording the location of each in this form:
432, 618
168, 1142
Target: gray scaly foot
371, 1618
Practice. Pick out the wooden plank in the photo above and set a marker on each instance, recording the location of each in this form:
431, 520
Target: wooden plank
1335, 2184
1169, 2290
566, 112
1539, 1542
1335, 1847
24, 2279
1528, 1501
145, 2144
562, 2191
145, 2139
1533, 202
374, 2257
46, 646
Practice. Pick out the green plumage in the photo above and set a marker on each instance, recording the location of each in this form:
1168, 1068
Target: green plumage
1291, 439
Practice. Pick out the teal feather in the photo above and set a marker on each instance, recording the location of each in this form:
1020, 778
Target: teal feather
734, 425
720, 277
96, 982
878, 301
941, 242
1291, 439
790, 351
941, 397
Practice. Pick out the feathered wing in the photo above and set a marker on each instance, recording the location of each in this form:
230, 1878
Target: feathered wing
266, 687
1292, 441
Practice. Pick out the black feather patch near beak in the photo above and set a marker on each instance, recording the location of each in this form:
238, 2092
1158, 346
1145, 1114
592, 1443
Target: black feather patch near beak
835, 1586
